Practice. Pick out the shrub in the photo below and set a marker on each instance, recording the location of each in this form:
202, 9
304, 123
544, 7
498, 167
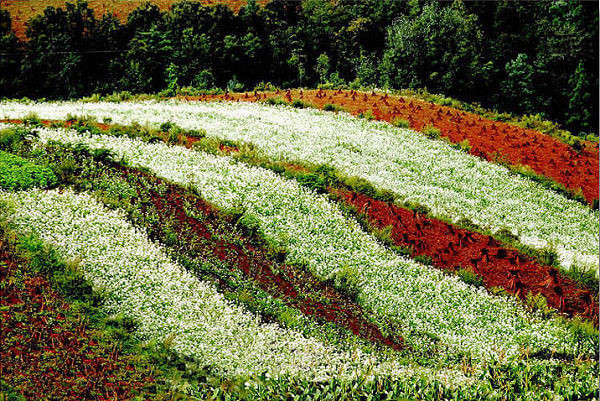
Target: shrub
299, 104
463, 146
196, 133
400, 123
332, 107
431, 132
313, 181
424, 259
470, 277
18, 173
274, 101
367, 115
12, 138
384, 234
346, 280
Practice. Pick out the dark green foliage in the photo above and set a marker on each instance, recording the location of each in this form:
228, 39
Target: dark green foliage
400, 123
347, 281
522, 57
11, 139
439, 49
332, 107
426, 260
299, 104
18, 173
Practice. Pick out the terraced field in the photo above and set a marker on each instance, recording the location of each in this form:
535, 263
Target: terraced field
261, 251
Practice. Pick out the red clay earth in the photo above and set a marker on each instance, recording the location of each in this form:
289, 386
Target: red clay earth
298, 289
491, 140
46, 354
451, 248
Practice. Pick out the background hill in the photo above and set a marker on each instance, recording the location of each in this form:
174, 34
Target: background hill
520, 57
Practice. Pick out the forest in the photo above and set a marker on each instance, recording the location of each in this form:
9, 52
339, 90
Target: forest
518, 57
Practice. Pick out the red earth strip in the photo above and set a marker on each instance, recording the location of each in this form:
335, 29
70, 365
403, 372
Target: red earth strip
280, 280
451, 248
490, 140
45, 354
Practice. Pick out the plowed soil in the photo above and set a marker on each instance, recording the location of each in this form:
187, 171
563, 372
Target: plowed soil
451, 248
490, 140
297, 288
46, 354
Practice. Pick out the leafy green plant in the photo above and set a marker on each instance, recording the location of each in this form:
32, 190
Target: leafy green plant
332, 107
424, 259
470, 277
431, 132
367, 115
18, 173
400, 123
300, 104
275, 101
347, 281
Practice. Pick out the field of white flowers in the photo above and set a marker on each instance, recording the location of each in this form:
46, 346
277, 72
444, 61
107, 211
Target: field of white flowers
452, 330
451, 183
429, 303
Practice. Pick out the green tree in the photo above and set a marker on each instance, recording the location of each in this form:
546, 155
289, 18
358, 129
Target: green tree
150, 52
322, 67
517, 88
10, 58
440, 49
580, 105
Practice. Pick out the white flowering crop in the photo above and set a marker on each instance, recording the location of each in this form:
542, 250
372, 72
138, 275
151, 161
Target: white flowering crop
451, 183
429, 304
166, 300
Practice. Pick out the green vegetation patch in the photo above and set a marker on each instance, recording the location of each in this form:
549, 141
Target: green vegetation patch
18, 173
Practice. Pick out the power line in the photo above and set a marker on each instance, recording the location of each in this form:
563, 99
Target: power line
64, 52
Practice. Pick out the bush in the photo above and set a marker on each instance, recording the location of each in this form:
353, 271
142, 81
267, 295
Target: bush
424, 259
274, 101
18, 173
367, 115
347, 282
11, 138
332, 107
400, 123
470, 277
463, 146
299, 104
431, 132
196, 133
313, 181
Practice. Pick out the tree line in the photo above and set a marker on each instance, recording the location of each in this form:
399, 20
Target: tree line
517, 56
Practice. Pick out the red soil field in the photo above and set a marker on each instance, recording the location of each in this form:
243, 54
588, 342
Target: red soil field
490, 140
298, 289
45, 354
23, 10
451, 248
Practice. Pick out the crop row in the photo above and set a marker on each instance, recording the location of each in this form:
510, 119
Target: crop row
46, 348
166, 301
461, 318
415, 169
575, 167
